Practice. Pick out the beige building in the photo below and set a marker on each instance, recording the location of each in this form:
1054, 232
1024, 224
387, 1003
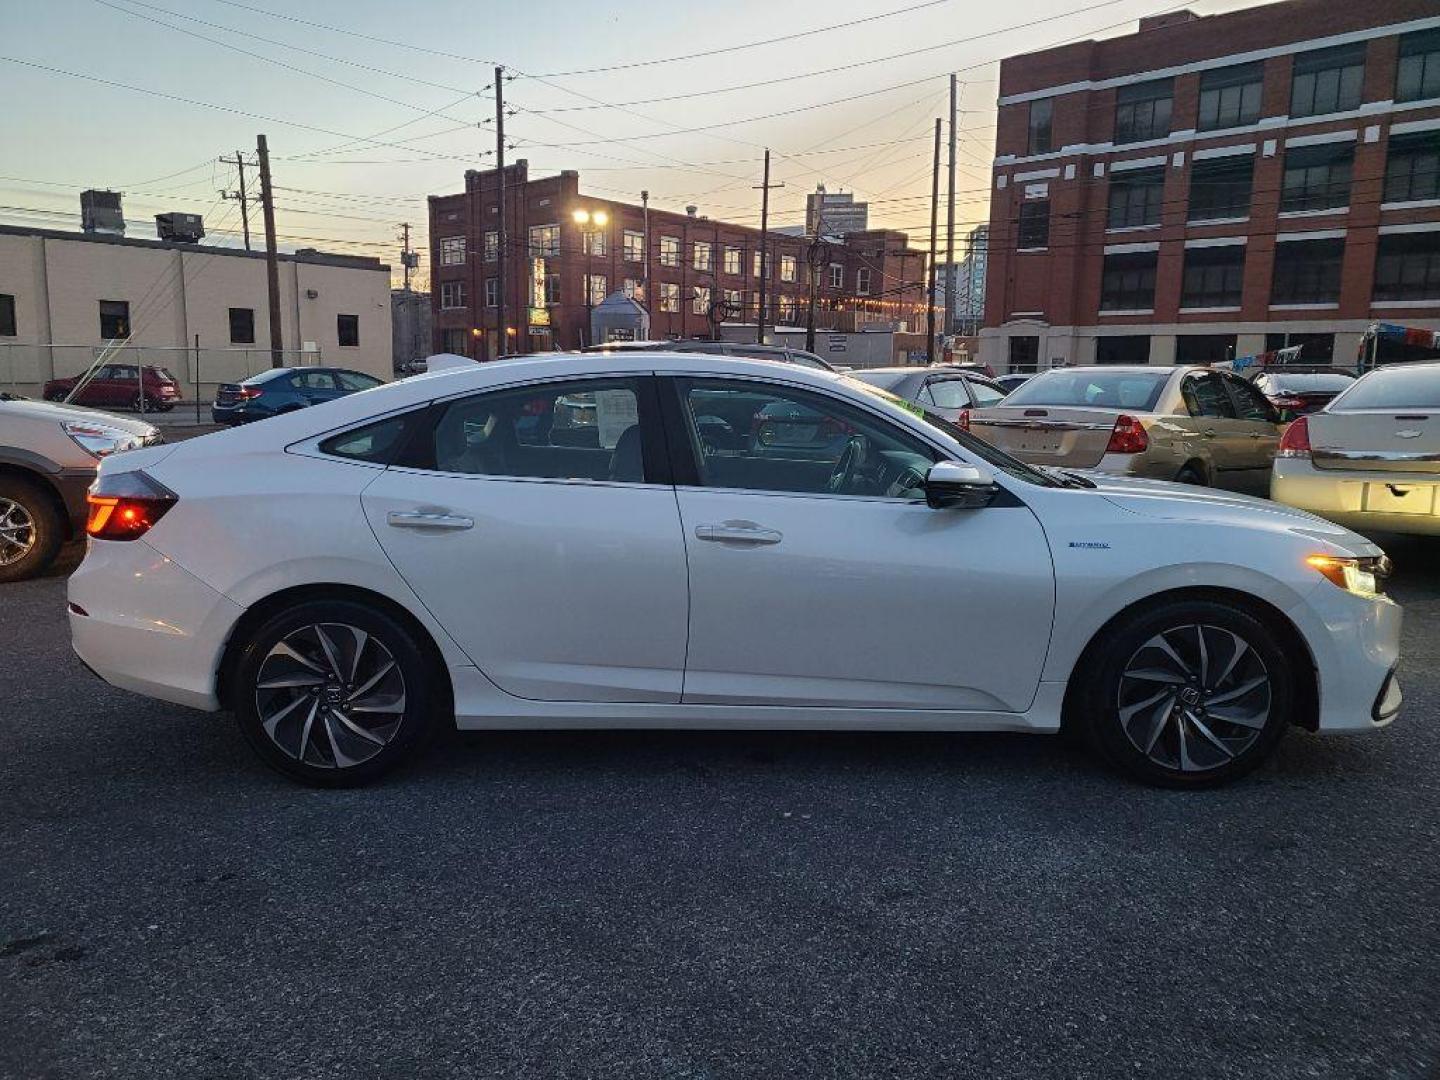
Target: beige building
66, 298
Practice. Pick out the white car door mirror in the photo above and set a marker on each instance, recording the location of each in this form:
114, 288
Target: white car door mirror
954, 485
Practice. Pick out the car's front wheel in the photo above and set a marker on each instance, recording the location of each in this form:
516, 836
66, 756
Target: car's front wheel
31, 529
1188, 694
334, 693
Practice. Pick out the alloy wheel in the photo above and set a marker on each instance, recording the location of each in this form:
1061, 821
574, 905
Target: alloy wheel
17, 532
330, 695
1194, 698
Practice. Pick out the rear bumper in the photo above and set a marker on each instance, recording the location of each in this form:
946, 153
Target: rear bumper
1340, 496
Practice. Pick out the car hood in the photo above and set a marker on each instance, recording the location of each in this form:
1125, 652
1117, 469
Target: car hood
45, 410
1185, 502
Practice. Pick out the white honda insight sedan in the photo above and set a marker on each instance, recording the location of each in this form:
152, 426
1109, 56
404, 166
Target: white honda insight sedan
685, 541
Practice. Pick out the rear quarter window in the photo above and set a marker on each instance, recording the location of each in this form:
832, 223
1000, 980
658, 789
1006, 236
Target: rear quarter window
378, 443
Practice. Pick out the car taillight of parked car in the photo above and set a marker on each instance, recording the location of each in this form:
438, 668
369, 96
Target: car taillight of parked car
963, 420
1295, 443
125, 506
250, 393
1128, 436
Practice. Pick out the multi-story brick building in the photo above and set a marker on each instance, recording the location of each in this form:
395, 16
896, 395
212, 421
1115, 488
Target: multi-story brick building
1218, 186
566, 251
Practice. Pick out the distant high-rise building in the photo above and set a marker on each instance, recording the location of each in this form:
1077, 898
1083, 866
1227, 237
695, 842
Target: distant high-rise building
967, 278
834, 214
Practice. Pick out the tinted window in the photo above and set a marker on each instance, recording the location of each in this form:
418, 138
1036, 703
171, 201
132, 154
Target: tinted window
1204, 396
353, 380
1393, 388
1250, 404
1136, 390
374, 442
347, 329
242, 326
7, 315
578, 430
314, 380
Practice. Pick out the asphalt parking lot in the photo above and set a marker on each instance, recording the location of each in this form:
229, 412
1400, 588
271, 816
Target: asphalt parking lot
706, 905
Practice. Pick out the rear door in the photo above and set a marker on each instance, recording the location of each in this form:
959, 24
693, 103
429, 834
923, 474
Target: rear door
1216, 425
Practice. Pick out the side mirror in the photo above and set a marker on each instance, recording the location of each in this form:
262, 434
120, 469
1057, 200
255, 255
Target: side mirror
953, 485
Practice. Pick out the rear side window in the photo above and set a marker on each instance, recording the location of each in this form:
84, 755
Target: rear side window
377, 443
351, 380
985, 394
1250, 403
949, 394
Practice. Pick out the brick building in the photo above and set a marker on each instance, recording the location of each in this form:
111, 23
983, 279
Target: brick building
1220, 185
567, 251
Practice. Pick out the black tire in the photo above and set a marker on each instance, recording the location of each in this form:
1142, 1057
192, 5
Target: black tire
321, 761
1191, 474
43, 529
1107, 691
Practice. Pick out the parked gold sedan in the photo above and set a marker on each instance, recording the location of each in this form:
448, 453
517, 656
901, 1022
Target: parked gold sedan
1189, 424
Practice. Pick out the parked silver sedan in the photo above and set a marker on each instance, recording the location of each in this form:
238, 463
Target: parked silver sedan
1189, 424
945, 391
1371, 458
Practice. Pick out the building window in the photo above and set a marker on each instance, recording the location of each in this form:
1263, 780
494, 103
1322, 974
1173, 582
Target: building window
1214, 277
634, 289
242, 326
1135, 198
669, 251
1220, 188
1142, 111
700, 301
452, 250
758, 262
1123, 349
492, 292
1314, 348
114, 319
1024, 353
1041, 112
7, 316
701, 256
1407, 267
787, 268
1230, 96
1418, 74
347, 330
735, 299
785, 309
1328, 80
669, 296
862, 281
1412, 167
552, 289
452, 294
733, 260
1317, 177
837, 275
597, 287
1204, 348
544, 241
594, 242
634, 243
1127, 282
455, 341
492, 246
1307, 272
1034, 229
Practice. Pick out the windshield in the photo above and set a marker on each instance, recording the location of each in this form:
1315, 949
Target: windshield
1303, 384
885, 380
888, 402
1088, 388
1415, 387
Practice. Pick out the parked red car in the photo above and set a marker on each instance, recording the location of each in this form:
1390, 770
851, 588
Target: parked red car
118, 386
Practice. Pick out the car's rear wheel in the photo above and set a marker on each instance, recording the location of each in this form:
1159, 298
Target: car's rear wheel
1191, 474
334, 693
31, 529
1190, 694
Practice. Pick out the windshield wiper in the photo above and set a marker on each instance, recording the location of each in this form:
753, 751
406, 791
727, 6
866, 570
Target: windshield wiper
1069, 479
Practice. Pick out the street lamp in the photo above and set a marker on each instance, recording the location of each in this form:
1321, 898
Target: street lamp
590, 222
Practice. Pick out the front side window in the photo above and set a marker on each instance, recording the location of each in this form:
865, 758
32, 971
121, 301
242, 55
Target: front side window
1407, 267
1328, 80
1041, 114
452, 294
733, 260
1317, 177
1142, 111
586, 429
1230, 96
787, 268
634, 246
1307, 272
766, 437
544, 241
452, 250
702, 255
1412, 167
669, 251
7, 315
669, 296
1417, 76
1034, 230
347, 330
242, 326
1220, 188
114, 319
1127, 282
1214, 277
1136, 196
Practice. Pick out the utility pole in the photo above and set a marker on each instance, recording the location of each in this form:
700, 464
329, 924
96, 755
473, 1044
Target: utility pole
502, 338
272, 264
934, 225
239, 196
765, 187
950, 217
645, 274
406, 259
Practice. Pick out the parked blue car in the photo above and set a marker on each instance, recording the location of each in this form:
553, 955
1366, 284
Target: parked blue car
282, 390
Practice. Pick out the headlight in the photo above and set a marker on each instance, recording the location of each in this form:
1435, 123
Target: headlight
1361, 575
101, 439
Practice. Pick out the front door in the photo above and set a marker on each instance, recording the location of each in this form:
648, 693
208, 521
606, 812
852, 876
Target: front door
819, 576
538, 526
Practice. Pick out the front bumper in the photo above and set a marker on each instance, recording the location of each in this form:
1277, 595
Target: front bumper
1355, 642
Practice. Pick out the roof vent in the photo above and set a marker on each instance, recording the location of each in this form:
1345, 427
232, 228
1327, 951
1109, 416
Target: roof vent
181, 228
100, 212
691, 209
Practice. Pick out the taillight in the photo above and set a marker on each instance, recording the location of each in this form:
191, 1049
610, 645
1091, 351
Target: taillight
1128, 437
124, 506
963, 420
250, 393
1295, 442
1287, 402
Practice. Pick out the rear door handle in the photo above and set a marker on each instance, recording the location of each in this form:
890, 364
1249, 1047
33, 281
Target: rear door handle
738, 532
404, 519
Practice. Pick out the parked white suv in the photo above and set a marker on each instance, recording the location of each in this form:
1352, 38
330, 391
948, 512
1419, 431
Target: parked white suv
48, 455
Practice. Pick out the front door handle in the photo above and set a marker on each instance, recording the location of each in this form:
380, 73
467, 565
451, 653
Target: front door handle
738, 532
404, 519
